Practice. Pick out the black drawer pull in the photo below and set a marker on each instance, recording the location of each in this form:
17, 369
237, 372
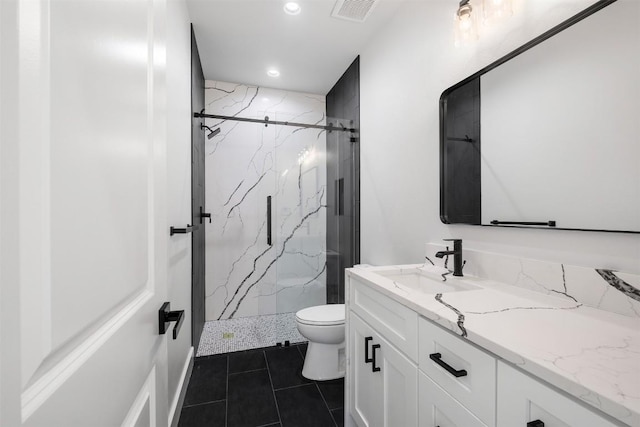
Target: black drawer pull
536, 423
436, 357
374, 368
367, 359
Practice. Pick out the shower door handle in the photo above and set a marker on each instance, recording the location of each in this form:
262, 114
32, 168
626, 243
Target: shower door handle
339, 197
269, 241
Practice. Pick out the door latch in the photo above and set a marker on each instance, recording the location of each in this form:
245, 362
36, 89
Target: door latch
165, 317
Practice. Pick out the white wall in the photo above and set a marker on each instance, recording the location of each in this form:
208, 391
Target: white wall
178, 189
408, 66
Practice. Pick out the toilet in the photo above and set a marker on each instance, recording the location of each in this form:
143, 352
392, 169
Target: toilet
323, 326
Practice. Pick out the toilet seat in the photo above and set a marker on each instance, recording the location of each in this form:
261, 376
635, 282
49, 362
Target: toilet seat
322, 315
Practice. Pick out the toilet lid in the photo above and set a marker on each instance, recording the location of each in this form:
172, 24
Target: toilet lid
329, 314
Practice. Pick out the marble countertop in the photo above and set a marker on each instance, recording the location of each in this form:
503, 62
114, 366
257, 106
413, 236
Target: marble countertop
591, 354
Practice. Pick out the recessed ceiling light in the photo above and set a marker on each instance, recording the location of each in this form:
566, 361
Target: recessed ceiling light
273, 72
292, 8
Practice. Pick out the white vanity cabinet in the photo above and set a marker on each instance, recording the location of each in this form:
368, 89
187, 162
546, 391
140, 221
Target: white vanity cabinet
382, 348
405, 371
527, 402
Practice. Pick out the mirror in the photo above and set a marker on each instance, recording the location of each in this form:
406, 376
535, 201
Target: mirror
549, 135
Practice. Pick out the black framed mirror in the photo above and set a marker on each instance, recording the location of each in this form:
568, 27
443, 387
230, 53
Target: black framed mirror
549, 135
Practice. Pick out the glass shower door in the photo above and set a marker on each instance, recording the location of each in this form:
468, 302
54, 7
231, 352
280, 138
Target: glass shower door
299, 220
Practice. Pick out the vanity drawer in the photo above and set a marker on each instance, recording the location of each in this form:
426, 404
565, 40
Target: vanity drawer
439, 409
397, 323
460, 369
523, 400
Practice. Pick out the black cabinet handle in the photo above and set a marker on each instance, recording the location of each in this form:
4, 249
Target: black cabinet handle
374, 368
269, 221
166, 316
367, 359
536, 423
436, 357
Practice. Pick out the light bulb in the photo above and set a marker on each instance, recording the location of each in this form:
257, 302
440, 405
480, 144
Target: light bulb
465, 27
495, 10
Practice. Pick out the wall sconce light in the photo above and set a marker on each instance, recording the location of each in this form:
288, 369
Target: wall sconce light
496, 10
465, 24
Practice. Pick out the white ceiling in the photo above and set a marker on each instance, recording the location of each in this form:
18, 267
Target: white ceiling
239, 40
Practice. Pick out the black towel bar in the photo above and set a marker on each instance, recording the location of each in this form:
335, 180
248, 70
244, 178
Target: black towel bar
546, 223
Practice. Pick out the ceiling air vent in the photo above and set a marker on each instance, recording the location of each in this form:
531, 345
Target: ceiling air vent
353, 10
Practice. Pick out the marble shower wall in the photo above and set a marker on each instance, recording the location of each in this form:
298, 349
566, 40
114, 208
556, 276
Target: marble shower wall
245, 163
607, 290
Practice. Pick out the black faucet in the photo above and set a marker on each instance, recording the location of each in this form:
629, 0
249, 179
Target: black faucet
457, 256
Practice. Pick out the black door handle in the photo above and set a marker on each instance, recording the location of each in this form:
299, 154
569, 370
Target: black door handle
204, 215
536, 423
165, 316
367, 359
374, 368
436, 357
187, 230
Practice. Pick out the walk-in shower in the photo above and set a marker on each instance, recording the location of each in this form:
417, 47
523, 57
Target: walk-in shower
268, 180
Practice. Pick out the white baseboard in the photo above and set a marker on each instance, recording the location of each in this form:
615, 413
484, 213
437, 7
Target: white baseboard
178, 400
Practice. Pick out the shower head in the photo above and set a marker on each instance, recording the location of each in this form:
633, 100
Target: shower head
212, 132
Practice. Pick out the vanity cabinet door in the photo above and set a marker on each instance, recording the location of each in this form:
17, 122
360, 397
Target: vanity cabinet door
366, 388
384, 382
439, 409
524, 401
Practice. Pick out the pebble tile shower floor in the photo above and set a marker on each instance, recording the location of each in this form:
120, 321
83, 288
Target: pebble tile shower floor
247, 333
260, 388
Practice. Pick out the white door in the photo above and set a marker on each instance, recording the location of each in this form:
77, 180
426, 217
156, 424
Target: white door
82, 213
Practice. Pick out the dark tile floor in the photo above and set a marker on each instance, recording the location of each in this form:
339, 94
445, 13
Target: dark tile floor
260, 388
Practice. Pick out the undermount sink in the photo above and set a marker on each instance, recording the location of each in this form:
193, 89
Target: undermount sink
415, 279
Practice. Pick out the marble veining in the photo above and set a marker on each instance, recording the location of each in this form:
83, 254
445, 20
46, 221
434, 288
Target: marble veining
594, 287
460, 322
587, 352
245, 163
619, 284
237, 290
273, 261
